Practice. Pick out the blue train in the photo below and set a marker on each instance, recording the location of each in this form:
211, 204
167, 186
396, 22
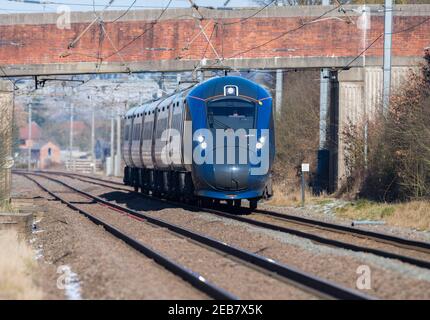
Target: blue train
211, 142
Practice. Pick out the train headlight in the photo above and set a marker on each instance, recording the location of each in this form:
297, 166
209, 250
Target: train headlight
200, 139
231, 90
260, 143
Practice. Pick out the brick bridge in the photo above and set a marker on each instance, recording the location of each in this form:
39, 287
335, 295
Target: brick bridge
33, 44
275, 38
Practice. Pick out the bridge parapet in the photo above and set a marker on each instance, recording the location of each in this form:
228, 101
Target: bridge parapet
286, 37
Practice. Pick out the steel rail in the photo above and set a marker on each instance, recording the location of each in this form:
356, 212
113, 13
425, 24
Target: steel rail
309, 282
368, 234
312, 237
193, 278
382, 237
377, 236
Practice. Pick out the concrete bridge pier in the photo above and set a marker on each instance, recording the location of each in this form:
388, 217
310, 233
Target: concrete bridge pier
360, 99
6, 117
352, 110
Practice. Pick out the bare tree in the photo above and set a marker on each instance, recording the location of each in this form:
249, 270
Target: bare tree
399, 145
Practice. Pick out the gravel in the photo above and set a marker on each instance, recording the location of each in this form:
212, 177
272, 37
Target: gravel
390, 279
234, 276
107, 268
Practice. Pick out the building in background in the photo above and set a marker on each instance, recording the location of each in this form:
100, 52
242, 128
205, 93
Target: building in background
49, 155
44, 154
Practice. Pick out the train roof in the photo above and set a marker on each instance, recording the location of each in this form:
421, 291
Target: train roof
150, 105
205, 90
215, 87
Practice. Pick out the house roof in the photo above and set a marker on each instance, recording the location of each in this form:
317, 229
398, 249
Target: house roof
40, 144
36, 132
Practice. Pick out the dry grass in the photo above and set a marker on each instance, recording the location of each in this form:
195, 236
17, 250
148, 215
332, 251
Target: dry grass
287, 196
7, 207
17, 265
414, 214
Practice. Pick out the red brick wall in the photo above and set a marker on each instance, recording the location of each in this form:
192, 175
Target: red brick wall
39, 44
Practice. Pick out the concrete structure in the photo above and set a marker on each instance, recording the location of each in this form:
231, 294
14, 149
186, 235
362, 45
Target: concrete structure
6, 114
20, 222
360, 97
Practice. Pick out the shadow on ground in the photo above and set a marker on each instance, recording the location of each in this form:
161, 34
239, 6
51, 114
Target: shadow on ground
136, 202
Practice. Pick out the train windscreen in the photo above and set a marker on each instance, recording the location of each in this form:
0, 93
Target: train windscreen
231, 114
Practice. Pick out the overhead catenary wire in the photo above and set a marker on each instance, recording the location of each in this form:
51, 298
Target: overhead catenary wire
210, 38
243, 20
277, 37
97, 18
125, 12
114, 47
142, 33
379, 37
283, 34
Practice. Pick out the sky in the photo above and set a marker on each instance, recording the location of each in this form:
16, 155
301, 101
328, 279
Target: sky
18, 6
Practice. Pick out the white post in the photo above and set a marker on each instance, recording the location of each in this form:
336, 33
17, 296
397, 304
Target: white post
71, 137
324, 94
93, 154
118, 145
324, 91
29, 137
279, 85
112, 146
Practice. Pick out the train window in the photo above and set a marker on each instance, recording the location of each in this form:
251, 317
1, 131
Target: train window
231, 114
136, 132
126, 132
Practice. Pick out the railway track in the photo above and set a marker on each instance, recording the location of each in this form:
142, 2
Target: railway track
195, 279
255, 220
305, 281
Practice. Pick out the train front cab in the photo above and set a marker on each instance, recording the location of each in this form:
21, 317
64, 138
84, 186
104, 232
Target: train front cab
222, 178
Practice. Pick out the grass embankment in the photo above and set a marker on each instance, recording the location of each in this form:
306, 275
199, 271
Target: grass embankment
292, 197
17, 266
413, 214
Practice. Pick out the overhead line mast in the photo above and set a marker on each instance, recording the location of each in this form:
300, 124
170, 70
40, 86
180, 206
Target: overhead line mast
388, 26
